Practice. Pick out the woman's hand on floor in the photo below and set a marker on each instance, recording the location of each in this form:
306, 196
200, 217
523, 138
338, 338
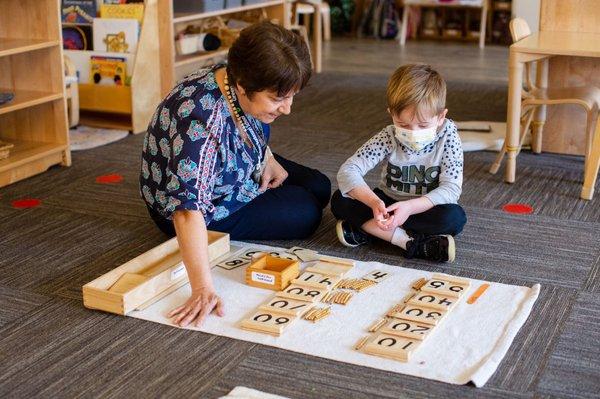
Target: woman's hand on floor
273, 176
202, 302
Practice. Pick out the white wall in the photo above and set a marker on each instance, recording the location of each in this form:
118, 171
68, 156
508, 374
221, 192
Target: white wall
529, 10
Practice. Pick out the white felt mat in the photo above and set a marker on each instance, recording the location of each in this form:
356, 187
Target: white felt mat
248, 393
468, 345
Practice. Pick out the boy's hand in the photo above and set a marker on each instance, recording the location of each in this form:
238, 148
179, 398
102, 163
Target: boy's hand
202, 302
380, 214
400, 211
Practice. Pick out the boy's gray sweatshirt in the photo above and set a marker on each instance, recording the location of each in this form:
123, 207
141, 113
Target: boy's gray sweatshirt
436, 171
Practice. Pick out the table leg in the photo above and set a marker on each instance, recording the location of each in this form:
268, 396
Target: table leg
404, 27
317, 37
482, 25
513, 117
541, 81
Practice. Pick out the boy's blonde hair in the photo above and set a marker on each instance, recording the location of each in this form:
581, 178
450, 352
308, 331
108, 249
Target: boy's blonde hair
417, 85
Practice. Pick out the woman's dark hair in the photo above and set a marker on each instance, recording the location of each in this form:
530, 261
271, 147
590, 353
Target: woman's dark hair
268, 57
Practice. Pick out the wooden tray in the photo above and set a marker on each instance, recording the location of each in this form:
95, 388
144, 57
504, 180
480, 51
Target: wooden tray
147, 278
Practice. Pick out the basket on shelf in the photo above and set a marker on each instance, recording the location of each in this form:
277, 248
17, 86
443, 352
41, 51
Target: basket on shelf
218, 27
5, 149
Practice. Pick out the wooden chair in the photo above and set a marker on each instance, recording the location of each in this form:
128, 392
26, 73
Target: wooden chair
317, 42
533, 97
72, 91
306, 9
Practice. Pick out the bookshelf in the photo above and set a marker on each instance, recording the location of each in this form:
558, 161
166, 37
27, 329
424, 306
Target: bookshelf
155, 67
176, 66
31, 67
127, 107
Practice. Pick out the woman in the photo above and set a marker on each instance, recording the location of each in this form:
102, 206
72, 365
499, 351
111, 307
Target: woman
206, 162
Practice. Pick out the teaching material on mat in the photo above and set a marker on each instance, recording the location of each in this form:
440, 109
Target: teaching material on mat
474, 338
147, 277
272, 273
415, 318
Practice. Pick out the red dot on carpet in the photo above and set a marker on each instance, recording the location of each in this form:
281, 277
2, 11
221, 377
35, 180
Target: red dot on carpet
26, 203
519, 209
108, 179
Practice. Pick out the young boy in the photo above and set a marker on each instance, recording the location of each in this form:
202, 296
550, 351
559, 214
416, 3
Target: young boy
415, 206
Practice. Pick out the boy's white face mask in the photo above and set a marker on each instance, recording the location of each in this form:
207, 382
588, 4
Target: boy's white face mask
416, 139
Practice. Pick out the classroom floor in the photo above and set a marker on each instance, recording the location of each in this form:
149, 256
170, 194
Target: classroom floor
51, 346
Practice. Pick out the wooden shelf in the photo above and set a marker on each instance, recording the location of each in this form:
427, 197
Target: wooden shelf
17, 46
106, 120
184, 17
182, 60
25, 152
27, 98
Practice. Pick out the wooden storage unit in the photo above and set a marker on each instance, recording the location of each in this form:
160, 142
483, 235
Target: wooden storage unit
174, 67
127, 107
31, 66
146, 278
272, 273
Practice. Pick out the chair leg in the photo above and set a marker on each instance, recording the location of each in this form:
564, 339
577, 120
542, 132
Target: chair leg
326, 11
498, 161
592, 161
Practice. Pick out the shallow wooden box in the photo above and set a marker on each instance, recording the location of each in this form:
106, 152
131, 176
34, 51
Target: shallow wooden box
146, 278
272, 273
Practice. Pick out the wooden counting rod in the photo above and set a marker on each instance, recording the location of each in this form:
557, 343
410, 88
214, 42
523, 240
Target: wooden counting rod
378, 324
361, 343
419, 283
316, 314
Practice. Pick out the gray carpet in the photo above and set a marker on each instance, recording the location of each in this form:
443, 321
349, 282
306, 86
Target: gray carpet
51, 346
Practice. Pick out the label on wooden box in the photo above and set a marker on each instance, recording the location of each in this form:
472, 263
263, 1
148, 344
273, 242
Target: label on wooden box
263, 278
179, 271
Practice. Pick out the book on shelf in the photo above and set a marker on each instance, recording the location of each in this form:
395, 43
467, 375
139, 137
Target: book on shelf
116, 35
78, 11
108, 71
77, 37
126, 11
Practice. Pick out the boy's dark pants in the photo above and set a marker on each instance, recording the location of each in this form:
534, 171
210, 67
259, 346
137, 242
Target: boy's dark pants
441, 219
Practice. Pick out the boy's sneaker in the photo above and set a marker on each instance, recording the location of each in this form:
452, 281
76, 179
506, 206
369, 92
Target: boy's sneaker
349, 235
438, 248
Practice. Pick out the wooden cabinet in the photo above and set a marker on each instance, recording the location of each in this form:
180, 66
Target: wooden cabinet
174, 66
31, 67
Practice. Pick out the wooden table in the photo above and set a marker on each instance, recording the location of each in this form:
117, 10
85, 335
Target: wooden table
540, 46
483, 4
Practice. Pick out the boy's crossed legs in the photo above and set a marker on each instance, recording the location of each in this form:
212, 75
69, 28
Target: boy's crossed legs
429, 233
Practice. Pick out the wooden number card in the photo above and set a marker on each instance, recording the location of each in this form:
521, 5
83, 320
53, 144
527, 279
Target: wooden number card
443, 287
266, 322
330, 269
303, 293
286, 306
435, 301
376, 275
318, 280
420, 314
407, 328
392, 346
231, 264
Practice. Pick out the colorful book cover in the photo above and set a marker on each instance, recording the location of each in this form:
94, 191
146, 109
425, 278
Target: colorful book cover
78, 11
108, 70
116, 35
127, 11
